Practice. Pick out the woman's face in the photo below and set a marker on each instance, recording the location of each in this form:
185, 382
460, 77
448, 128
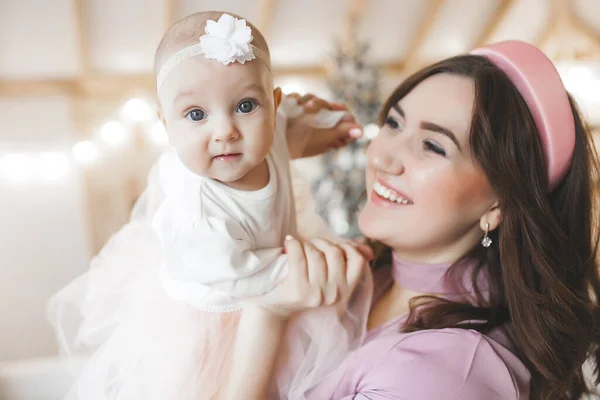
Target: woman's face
426, 196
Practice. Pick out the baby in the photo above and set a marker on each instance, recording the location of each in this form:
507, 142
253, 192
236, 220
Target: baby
226, 206
228, 196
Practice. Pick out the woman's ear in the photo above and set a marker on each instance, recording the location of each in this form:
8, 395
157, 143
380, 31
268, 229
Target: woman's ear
493, 217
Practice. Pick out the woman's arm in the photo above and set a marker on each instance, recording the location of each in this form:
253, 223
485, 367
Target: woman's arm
260, 333
320, 274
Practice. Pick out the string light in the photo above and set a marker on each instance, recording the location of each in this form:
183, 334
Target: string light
136, 114
371, 131
16, 167
53, 166
113, 133
137, 110
85, 152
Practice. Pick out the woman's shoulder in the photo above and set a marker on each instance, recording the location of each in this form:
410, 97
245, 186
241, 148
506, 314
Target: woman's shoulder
447, 363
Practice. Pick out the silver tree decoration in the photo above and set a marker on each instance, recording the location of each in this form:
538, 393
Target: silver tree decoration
355, 82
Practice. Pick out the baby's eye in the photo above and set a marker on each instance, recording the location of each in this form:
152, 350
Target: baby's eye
196, 115
247, 106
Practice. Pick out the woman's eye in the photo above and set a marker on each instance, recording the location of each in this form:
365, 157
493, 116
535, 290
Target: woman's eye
429, 146
392, 123
196, 115
246, 106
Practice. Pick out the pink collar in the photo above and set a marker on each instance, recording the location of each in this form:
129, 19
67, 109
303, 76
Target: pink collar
432, 279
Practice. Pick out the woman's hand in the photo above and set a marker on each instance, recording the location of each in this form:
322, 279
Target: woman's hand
306, 141
320, 273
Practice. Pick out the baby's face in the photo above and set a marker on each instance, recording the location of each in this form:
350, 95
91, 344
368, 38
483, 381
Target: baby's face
220, 118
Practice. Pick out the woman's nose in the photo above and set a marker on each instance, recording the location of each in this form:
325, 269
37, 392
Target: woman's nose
385, 159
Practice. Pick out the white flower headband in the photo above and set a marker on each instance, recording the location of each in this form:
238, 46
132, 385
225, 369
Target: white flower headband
228, 40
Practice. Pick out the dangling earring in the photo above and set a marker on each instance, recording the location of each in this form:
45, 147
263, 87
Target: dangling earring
486, 241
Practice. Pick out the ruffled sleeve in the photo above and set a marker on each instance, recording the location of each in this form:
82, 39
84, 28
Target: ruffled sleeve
448, 364
204, 254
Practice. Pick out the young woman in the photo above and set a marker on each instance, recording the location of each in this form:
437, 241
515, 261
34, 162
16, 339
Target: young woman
480, 198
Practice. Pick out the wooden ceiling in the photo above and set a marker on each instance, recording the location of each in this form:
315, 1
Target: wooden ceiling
68, 66
104, 48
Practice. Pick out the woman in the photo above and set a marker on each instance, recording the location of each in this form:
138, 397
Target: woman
479, 197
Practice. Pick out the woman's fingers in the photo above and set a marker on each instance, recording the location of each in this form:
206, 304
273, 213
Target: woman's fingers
320, 273
336, 270
365, 250
297, 263
355, 265
317, 265
335, 258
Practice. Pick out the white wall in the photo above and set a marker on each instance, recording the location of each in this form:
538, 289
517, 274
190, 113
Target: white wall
43, 237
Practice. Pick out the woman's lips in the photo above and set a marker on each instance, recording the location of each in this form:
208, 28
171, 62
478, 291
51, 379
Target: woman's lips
384, 193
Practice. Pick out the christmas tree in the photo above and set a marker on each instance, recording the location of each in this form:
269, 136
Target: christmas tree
340, 188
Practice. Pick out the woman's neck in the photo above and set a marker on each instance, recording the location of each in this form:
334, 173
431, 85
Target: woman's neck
412, 280
394, 303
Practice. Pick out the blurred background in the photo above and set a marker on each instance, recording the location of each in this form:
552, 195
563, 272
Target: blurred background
78, 127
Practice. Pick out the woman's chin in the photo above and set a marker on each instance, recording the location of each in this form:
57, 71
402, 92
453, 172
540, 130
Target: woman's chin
368, 226
371, 225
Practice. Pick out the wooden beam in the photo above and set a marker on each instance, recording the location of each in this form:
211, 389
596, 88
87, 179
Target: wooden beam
107, 86
41, 87
411, 58
585, 29
394, 68
316, 71
82, 34
354, 16
171, 13
110, 86
566, 37
556, 21
546, 31
268, 10
321, 71
499, 15
98, 86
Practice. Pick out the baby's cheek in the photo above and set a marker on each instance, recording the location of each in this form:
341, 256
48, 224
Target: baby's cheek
190, 159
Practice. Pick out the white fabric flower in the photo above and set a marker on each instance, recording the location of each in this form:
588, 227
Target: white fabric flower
228, 40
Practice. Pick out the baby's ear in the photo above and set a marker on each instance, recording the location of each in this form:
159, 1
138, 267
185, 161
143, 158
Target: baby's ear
277, 95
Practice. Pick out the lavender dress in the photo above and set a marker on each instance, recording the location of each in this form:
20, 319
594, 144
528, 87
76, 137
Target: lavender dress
441, 364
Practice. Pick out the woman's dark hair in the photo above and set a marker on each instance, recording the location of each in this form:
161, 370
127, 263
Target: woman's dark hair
542, 266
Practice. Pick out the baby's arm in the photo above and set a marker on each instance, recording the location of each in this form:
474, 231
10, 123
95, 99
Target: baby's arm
314, 126
204, 255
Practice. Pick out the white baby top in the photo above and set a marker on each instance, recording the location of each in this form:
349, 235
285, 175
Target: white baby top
221, 244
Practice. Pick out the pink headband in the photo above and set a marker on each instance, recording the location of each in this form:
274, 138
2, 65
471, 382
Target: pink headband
538, 81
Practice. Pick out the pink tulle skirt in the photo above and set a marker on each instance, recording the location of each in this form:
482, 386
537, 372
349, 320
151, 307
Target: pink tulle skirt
142, 344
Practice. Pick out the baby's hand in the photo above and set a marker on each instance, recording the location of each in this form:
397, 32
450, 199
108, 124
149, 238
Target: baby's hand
305, 141
320, 273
